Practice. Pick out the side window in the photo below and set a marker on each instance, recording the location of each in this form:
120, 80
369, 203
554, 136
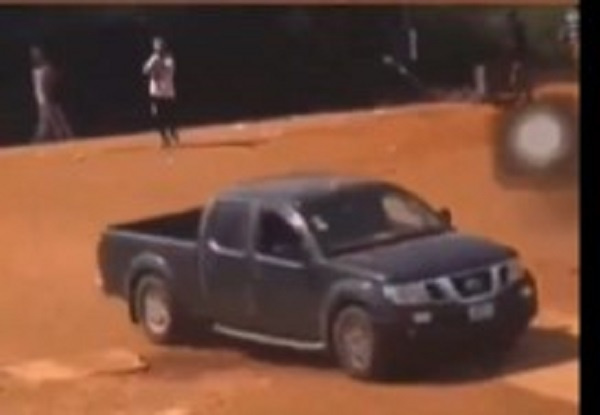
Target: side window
228, 225
277, 238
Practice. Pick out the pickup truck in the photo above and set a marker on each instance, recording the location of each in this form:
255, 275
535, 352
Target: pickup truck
356, 267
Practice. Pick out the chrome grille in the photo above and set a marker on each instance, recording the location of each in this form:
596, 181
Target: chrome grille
436, 292
474, 283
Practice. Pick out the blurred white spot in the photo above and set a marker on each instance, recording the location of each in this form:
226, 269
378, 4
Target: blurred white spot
539, 139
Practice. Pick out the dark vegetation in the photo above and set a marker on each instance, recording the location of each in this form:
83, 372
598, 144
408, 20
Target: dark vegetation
246, 62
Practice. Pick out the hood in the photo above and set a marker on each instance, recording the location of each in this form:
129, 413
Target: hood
426, 257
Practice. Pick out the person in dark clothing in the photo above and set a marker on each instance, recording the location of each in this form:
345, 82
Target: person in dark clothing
160, 70
520, 78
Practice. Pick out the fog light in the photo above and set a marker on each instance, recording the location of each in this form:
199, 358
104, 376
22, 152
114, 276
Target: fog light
422, 317
526, 291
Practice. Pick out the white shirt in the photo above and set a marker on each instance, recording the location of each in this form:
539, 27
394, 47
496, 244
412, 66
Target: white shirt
161, 71
41, 78
571, 22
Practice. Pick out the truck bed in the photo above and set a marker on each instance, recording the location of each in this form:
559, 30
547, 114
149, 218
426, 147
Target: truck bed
179, 225
125, 247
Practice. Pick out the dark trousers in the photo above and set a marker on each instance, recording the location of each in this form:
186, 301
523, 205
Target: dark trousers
52, 123
163, 113
521, 77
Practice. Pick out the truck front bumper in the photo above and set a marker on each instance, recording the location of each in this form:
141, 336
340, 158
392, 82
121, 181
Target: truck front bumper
453, 329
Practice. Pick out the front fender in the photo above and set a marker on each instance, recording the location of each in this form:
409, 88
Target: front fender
363, 292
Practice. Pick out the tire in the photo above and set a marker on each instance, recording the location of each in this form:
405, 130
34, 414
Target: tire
359, 348
155, 310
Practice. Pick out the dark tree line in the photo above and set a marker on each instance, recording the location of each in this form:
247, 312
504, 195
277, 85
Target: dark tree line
240, 62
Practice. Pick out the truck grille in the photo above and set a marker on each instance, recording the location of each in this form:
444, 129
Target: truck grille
473, 284
435, 291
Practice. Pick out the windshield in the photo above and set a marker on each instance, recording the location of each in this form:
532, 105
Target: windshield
360, 217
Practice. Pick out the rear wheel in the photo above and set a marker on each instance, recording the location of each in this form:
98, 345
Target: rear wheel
360, 349
156, 311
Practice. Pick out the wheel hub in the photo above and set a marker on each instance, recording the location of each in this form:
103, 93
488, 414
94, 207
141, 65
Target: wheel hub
357, 343
157, 313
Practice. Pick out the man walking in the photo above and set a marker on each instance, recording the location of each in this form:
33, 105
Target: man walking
520, 65
52, 123
160, 70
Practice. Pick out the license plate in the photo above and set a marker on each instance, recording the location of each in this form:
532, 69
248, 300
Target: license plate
482, 312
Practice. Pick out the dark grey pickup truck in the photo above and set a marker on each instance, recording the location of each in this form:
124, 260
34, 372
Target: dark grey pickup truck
360, 268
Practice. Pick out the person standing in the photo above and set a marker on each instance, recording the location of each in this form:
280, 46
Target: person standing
569, 33
160, 70
520, 58
52, 123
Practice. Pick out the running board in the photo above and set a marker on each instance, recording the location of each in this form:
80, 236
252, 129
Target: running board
269, 340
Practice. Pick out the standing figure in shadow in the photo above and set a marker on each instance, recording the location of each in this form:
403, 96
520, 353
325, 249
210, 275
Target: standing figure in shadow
52, 123
520, 75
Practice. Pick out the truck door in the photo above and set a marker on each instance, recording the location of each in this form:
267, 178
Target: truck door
226, 264
286, 287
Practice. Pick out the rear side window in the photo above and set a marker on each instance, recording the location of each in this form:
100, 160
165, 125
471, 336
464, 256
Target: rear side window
228, 225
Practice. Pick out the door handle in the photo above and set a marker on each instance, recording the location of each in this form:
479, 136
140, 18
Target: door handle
221, 250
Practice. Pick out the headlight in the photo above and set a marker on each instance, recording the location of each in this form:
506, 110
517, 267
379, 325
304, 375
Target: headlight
407, 294
512, 271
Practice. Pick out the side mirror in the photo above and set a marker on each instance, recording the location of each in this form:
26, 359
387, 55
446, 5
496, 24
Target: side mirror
446, 215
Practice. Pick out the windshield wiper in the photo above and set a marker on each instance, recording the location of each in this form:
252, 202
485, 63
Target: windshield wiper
383, 239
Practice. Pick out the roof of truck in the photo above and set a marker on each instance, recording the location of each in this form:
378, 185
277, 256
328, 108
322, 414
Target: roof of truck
294, 187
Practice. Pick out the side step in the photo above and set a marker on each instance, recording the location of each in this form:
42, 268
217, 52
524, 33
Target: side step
269, 340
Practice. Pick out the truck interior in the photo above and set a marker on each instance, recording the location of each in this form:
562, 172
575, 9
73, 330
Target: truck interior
277, 238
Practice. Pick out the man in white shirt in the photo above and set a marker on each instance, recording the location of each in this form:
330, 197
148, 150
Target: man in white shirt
52, 123
160, 70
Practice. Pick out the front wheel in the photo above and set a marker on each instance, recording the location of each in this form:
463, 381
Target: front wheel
360, 349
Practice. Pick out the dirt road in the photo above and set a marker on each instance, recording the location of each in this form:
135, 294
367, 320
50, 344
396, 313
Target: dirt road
56, 200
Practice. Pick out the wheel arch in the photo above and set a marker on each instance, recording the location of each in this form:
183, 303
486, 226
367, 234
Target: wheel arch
360, 293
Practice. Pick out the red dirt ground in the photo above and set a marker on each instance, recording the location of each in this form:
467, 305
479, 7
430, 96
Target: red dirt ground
57, 199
